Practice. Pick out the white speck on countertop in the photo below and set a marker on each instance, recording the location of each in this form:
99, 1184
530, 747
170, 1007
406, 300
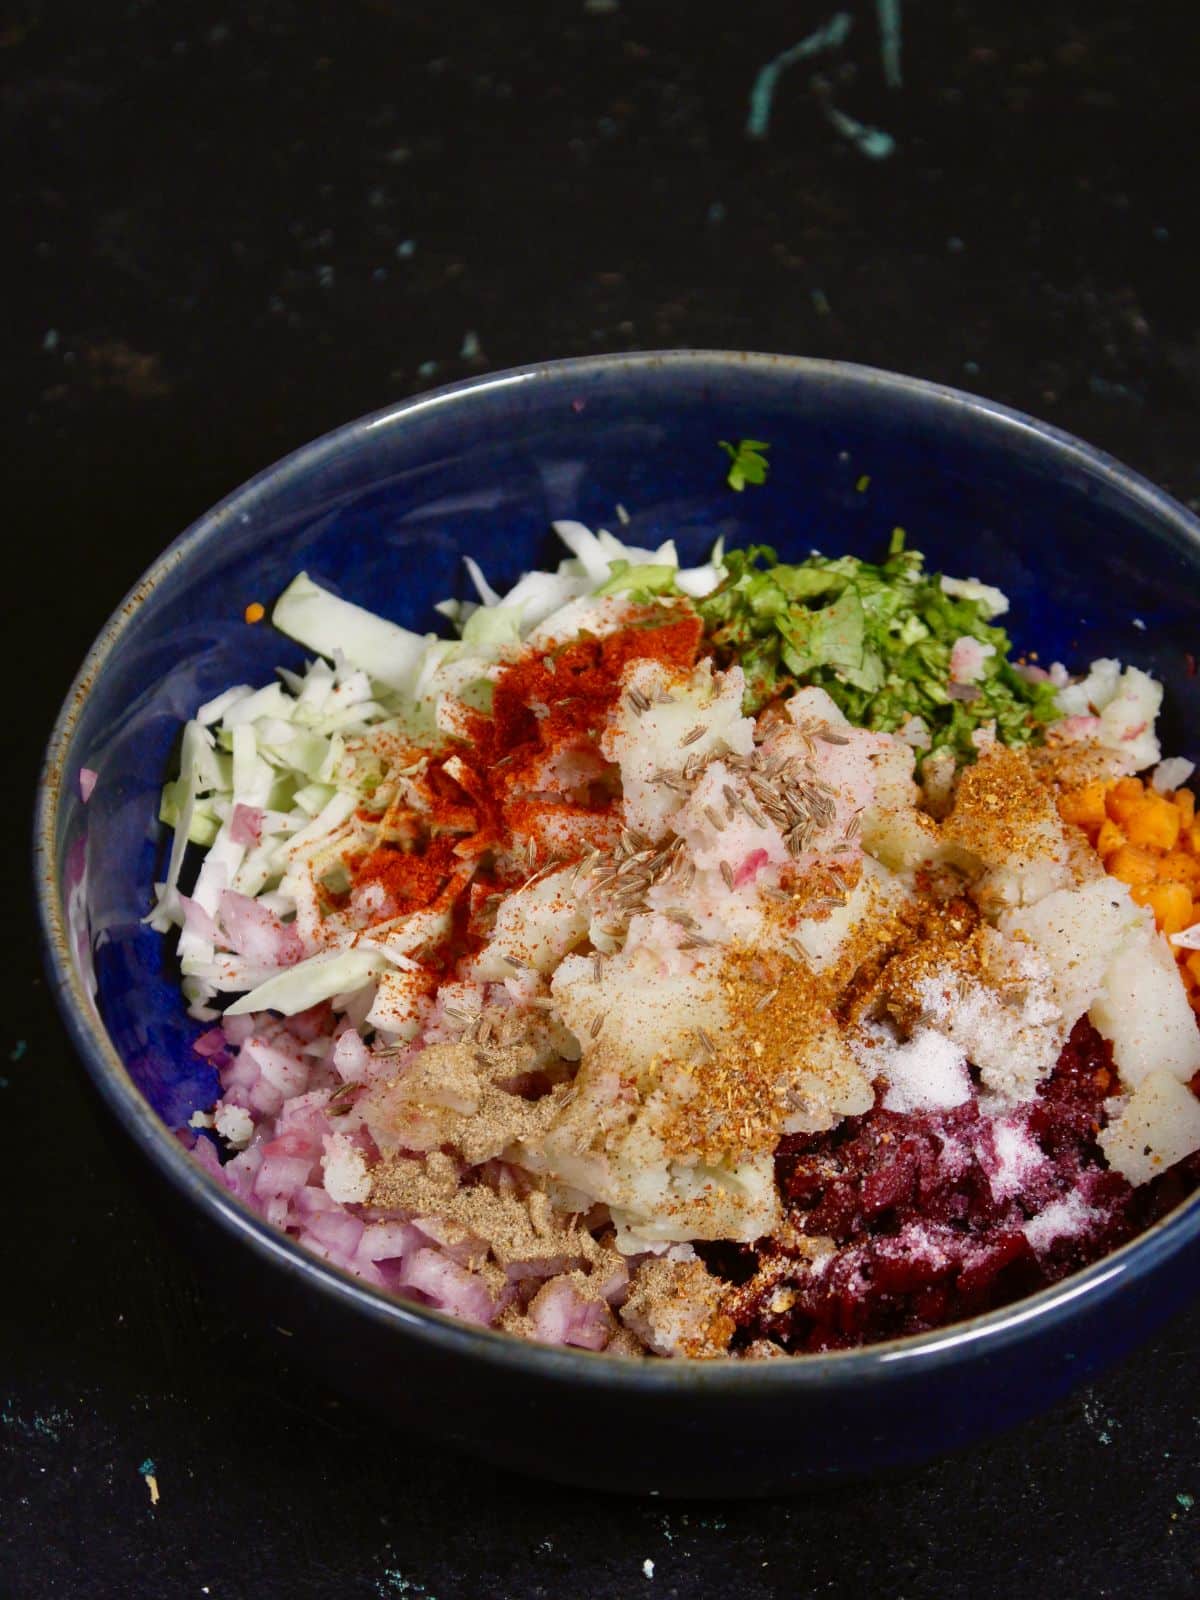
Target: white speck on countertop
648, 1567
1139, 624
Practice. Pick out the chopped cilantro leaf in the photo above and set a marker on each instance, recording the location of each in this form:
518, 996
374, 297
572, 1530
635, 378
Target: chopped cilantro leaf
747, 462
876, 638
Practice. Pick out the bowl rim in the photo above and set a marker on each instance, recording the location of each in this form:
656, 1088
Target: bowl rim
985, 1334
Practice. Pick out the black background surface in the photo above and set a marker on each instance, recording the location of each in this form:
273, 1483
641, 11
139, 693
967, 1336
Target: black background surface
208, 262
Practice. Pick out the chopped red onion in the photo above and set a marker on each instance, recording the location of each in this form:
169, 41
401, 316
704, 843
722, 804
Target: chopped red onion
258, 934
245, 825
750, 868
211, 1044
450, 1287
197, 920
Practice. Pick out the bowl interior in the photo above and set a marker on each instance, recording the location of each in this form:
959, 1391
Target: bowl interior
1093, 560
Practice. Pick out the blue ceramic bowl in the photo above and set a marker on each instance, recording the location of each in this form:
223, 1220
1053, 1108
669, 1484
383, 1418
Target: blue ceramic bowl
383, 511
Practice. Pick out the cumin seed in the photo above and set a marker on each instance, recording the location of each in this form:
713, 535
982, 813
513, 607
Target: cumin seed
752, 811
685, 919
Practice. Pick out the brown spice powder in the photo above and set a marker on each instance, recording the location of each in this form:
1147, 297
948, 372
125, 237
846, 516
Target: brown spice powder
512, 1229
999, 804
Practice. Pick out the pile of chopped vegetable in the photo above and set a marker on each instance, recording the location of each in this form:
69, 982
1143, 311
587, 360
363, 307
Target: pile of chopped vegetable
889, 643
711, 961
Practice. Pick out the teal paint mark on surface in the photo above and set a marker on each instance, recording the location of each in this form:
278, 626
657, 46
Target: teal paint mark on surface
18, 1050
889, 41
1187, 1501
874, 143
830, 36
48, 1425
146, 1470
394, 1582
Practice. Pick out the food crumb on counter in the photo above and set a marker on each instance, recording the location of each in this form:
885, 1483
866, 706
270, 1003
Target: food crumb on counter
151, 1481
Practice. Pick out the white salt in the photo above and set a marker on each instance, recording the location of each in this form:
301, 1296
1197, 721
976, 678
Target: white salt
929, 1073
1062, 1219
1017, 1156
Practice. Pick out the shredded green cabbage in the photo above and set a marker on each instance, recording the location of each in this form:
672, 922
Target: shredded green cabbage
321, 621
309, 982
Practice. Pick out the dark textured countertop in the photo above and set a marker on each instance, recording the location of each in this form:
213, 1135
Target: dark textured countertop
233, 227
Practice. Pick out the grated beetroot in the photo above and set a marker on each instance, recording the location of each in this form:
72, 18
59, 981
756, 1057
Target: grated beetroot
929, 1225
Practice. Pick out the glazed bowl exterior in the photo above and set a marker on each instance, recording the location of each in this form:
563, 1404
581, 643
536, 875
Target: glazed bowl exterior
1096, 561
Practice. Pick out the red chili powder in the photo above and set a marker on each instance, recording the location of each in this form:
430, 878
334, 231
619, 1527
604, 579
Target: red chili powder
413, 879
578, 683
553, 698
